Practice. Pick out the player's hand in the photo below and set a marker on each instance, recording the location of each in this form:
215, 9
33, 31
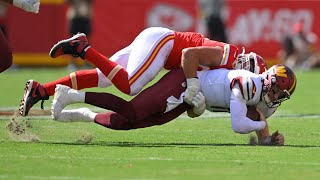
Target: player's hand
28, 5
199, 103
193, 87
277, 139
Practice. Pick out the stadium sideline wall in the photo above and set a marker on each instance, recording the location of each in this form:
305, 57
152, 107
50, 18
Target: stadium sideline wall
257, 25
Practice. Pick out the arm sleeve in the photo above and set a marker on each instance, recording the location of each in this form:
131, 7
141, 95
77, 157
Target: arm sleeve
238, 110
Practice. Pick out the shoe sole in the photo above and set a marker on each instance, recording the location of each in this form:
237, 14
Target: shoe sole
56, 46
23, 101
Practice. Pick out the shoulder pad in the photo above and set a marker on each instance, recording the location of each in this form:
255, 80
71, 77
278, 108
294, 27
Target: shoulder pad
247, 86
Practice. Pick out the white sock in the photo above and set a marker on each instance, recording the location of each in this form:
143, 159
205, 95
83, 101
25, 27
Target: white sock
76, 96
75, 115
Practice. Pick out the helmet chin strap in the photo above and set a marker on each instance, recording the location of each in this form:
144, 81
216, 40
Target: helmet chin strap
266, 98
268, 102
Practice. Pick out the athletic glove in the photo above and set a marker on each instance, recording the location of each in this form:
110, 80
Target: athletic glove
199, 103
28, 5
193, 87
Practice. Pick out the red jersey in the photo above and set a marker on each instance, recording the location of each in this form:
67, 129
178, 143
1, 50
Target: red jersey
190, 39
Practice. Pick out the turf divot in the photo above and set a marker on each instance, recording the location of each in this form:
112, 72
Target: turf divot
19, 130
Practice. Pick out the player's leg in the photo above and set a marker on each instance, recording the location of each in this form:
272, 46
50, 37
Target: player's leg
150, 101
88, 78
149, 53
34, 91
149, 46
78, 46
121, 57
146, 109
76, 80
75, 115
116, 121
136, 65
5, 53
64, 95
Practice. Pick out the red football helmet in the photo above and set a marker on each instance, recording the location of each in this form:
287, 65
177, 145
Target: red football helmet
279, 83
251, 62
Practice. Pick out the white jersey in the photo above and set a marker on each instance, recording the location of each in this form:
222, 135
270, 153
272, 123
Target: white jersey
216, 87
232, 91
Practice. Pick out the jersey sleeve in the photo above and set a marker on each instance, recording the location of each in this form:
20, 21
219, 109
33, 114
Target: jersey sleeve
230, 53
238, 111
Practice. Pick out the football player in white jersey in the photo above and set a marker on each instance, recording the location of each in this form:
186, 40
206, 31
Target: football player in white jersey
224, 90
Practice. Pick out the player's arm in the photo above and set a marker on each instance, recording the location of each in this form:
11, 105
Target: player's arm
27, 5
238, 111
192, 57
190, 60
264, 136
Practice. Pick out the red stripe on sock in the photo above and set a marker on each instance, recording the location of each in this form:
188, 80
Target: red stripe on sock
85, 79
120, 80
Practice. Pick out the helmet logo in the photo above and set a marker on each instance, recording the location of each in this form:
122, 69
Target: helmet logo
281, 71
293, 85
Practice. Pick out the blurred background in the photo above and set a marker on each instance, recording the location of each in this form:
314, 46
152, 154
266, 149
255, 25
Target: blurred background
279, 30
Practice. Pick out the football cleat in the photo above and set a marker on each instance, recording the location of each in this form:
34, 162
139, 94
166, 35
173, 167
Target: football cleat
74, 46
64, 96
60, 100
33, 93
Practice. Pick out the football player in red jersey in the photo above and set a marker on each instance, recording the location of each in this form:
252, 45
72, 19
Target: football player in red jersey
163, 101
131, 68
5, 49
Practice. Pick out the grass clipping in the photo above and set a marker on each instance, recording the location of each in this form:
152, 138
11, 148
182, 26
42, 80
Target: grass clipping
19, 130
85, 138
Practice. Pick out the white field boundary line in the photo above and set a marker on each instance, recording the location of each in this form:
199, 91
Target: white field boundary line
164, 159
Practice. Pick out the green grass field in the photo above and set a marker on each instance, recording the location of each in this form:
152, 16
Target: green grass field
203, 148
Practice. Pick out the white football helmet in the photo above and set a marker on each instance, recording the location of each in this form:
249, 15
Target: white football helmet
251, 62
